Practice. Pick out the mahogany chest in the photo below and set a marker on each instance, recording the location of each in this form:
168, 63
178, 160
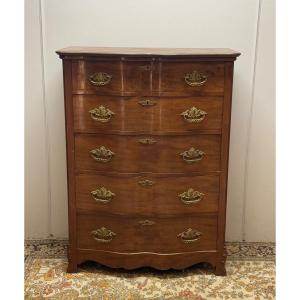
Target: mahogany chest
147, 135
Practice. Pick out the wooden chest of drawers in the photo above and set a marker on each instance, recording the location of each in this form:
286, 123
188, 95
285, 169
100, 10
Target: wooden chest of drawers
147, 154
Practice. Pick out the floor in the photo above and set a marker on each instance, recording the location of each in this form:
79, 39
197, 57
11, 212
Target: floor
250, 275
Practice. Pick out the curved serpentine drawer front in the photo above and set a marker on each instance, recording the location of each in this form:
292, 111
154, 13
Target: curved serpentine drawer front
148, 195
139, 153
147, 78
95, 113
143, 234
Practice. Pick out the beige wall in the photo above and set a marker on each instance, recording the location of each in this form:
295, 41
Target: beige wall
246, 26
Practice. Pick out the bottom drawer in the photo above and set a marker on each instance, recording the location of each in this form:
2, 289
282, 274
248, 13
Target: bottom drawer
158, 235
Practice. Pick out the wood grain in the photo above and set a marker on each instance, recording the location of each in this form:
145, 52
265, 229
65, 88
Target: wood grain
131, 261
220, 266
130, 115
160, 237
171, 75
131, 198
147, 78
128, 77
161, 157
67, 69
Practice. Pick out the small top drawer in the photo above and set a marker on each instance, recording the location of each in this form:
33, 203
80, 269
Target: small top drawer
191, 78
111, 77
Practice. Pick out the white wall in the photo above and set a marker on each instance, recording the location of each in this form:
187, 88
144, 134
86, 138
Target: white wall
156, 23
260, 173
36, 156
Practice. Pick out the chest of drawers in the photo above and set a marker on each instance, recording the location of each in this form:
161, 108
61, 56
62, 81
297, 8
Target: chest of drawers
147, 135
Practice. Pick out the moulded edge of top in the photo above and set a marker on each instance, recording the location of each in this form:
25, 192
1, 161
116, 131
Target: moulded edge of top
144, 52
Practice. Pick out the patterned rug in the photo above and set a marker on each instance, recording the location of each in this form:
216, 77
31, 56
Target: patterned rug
250, 275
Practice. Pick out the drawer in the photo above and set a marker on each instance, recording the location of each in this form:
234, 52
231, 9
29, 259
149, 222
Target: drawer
148, 195
191, 78
110, 77
97, 113
159, 235
157, 154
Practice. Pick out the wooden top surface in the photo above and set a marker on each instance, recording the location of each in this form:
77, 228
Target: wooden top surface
95, 51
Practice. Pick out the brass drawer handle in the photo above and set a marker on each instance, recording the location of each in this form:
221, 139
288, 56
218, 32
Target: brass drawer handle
194, 115
147, 141
192, 155
146, 223
102, 195
99, 79
103, 235
189, 236
147, 102
195, 78
191, 196
102, 154
146, 182
101, 114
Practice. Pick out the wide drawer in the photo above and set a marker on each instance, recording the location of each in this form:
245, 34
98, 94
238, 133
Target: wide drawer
159, 235
191, 78
150, 195
174, 114
158, 154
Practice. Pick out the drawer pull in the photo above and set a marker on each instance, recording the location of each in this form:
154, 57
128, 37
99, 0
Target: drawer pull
189, 236
101, 114
195, 78
102, 195
102, 154
103, 235
147, 102
146, 182
100, 79
192, 155
194, 115
146, 223
191, 196
147, 141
